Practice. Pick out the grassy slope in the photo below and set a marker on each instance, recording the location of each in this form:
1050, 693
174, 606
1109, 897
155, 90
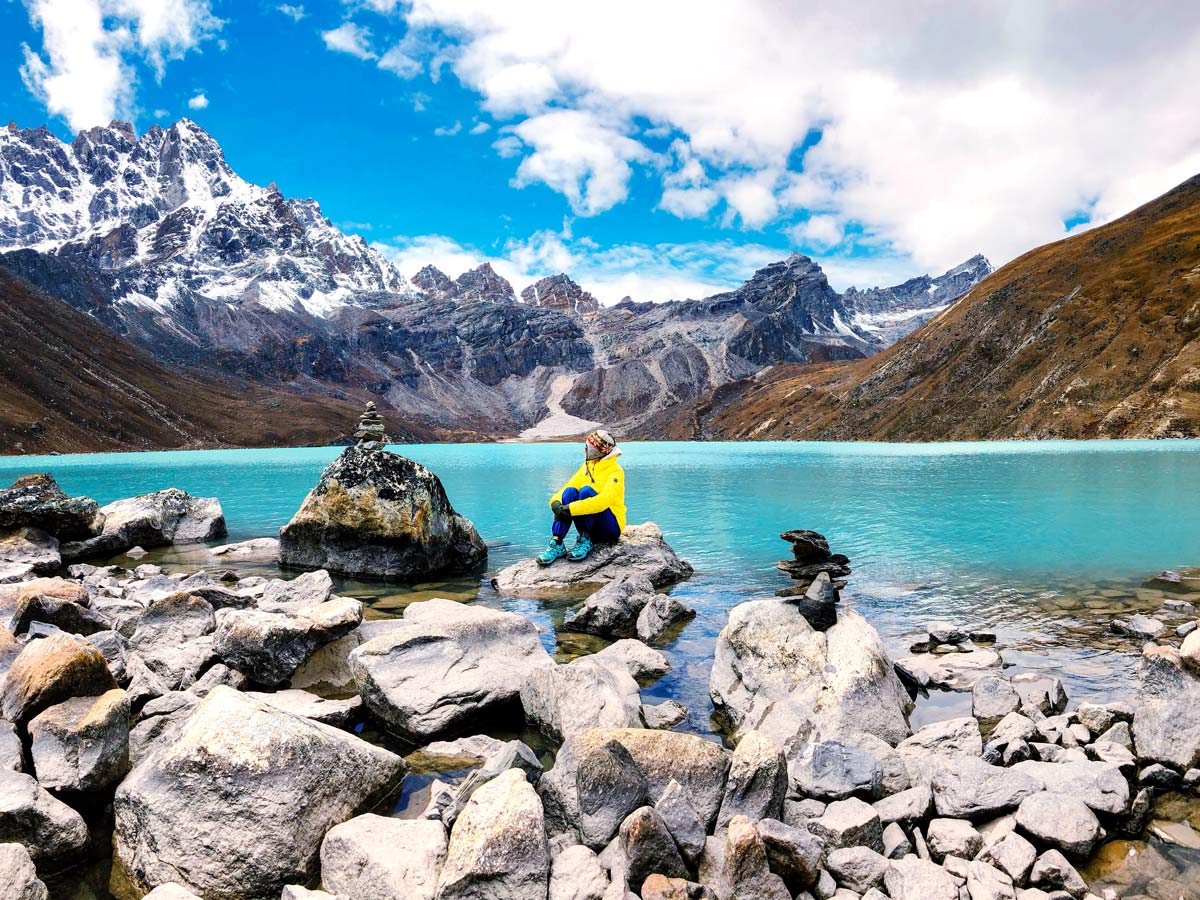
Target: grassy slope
1097, 335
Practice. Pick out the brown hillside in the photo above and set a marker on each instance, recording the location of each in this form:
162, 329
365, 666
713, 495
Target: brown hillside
1094, 336
68, 384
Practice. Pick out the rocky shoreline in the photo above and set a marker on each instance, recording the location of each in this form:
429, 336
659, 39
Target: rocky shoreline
211, 723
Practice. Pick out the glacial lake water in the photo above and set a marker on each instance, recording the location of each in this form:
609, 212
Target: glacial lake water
1045, 543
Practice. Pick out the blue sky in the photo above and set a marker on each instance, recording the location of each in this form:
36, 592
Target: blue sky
660, 149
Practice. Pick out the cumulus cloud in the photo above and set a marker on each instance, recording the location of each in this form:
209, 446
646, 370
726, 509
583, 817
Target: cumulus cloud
944, 129
86, 69
295, 12
350, 37
200, 101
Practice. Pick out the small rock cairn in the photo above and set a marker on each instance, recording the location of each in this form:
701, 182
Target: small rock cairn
370, 433
814, 569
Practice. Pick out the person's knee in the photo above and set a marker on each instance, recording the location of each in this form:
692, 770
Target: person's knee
586, 491
570, 495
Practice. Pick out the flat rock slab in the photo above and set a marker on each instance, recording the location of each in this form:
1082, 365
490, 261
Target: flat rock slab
641, 550
952, 671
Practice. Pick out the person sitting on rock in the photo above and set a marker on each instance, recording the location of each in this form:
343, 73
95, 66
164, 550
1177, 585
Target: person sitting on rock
594, 500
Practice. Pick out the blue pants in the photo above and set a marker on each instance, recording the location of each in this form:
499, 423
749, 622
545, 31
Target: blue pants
601, 527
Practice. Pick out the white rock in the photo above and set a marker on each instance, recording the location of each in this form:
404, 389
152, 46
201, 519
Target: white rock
373, 857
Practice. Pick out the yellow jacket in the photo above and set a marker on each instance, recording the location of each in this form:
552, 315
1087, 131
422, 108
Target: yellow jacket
606, 477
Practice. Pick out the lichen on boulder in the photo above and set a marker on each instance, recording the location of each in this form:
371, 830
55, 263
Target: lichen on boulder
380, 515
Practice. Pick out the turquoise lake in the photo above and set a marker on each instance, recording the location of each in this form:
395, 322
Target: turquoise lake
1043, 542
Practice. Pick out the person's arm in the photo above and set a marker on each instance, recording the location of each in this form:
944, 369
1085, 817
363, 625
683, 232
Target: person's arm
607, 493
575, 481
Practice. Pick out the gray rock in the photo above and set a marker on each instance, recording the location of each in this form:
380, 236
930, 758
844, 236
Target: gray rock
449, 804
818, 603
1139, 626
219, 674
1014, 727
114, 646
216, 594
698, 765
911, 878
649, 847
946, 633
446, 664
576, 874
380, 515
498, 845
50, 670
985, 882
160, 718
1060, 821
660, 615
18, 874
643, 662
613, 610
833, 770
967, 787
952, 837
682, 820
36, 501
10, 747
1044, 693
1102, 787
172, 639
950, 737
1166, 725
745, 871
377, 858
793, 853
1099, 717
82, 744
62, 614
773, 673
641, 550
301, 592
297, 892
310, 706
664, 715
951, 671
152, 520
263, 785
1120, 733
895, 842
857, 868
1011, 854
849, 823
328, 669
1159, 777
757, 781
51, 832
910, 805
1052, 872
993, 698
564, 700
610, 786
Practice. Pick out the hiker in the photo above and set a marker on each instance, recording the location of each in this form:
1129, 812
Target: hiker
594, 500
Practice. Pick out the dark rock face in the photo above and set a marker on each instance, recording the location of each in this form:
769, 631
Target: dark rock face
561, 293
37, 501
380, 515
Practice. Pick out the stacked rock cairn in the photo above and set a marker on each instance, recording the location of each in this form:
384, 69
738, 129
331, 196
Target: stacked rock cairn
370, 434
818, 576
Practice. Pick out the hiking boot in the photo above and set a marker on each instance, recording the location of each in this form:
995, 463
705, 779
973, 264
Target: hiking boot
554, 550
581, 550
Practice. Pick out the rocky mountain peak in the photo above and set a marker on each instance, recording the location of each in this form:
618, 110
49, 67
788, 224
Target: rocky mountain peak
561, 293
482, 283
433, 280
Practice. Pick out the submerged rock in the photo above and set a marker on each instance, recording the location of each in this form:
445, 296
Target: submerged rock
444, 664
952, 671
152, 520
774, 673
641, 550
36, 501
236, 805
379, 515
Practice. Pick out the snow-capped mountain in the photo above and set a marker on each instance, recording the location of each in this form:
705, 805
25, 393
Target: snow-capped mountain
167, 211
162, 242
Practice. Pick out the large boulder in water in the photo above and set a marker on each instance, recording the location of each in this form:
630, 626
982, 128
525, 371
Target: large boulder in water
380, 515
236, 805
152, 520
640, 551
445, 664
775, 674
36, 501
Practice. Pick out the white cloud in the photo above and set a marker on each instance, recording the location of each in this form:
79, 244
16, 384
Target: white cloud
480, 128
86, 69
980, 134
448, 130
200, 101
295, 12
819, 231
350, 37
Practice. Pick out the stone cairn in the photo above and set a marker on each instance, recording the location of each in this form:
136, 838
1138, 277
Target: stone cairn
818, 574
370, 434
